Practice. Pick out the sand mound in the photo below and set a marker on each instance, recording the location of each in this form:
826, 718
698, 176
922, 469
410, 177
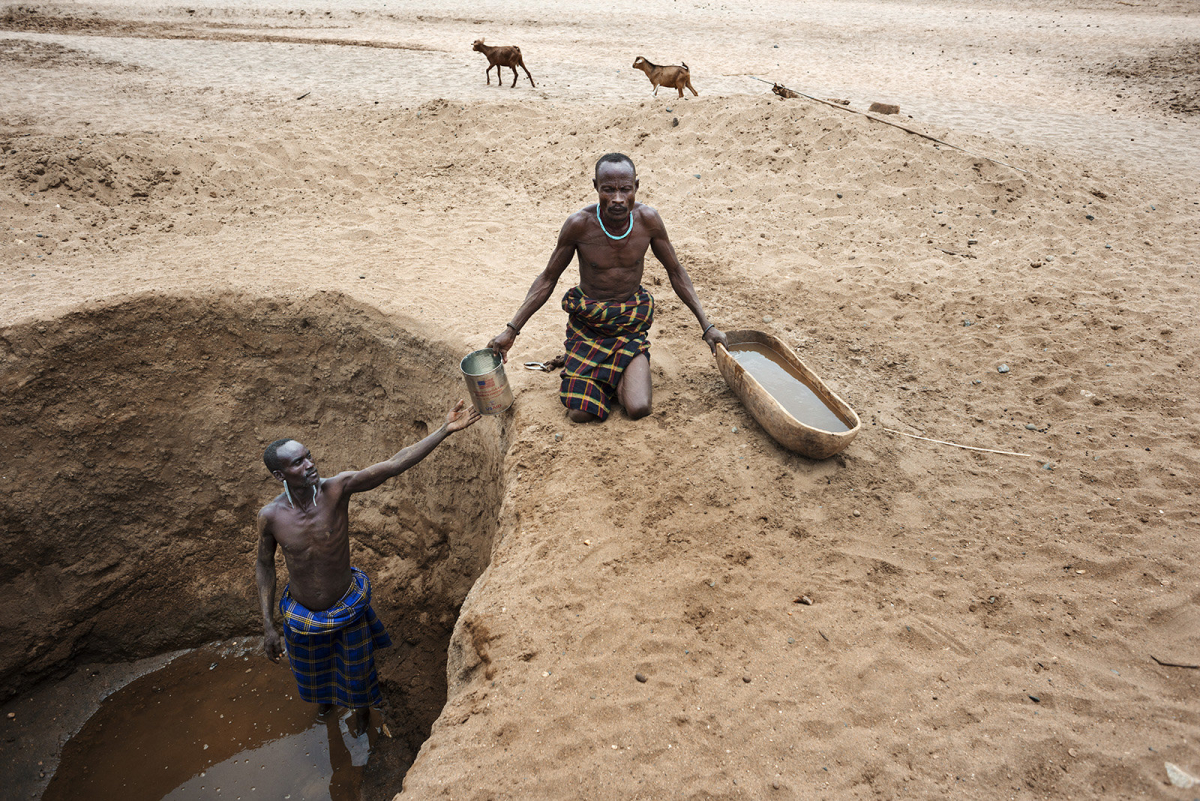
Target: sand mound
943, 602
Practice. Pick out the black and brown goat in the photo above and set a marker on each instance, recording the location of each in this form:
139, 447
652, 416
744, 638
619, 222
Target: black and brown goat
502, 56
671, 77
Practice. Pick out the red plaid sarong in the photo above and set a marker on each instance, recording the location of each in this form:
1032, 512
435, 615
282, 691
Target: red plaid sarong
603, 337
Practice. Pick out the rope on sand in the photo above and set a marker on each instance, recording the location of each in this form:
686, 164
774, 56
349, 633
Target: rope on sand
898, 125
956, 445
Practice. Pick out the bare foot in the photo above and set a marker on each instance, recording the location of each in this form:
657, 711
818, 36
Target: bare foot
358, 745
362, 718
580, 416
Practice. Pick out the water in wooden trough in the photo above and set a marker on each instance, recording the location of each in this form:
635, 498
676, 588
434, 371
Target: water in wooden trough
214, 723
786, 386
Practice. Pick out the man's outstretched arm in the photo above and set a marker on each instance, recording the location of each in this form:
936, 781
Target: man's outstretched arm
264, 576
681, 282
543, 285
458, 418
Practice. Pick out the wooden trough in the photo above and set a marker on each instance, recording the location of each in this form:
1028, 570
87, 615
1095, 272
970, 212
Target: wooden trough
789, 432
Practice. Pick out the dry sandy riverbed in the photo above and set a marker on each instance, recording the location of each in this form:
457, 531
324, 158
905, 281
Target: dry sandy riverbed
168, 204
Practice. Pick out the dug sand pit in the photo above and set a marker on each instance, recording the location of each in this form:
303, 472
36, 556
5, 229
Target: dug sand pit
137, 428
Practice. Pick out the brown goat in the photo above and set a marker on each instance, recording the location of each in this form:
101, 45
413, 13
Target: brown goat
670, 77
502, 56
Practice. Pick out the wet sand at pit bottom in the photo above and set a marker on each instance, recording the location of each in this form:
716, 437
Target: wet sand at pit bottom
208, 725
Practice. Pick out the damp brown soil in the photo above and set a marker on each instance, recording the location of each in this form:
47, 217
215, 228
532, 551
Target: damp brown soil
216, 722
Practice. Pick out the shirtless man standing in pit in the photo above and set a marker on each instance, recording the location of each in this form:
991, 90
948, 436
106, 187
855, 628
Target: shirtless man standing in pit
329, 626
609, 312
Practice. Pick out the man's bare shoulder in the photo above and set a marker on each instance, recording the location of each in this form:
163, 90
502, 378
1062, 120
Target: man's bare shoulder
266, 515
581, 221
648, 213
336, 485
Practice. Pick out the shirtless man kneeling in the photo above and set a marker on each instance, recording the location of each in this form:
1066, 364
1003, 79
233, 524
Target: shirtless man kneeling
329, 625
609, 312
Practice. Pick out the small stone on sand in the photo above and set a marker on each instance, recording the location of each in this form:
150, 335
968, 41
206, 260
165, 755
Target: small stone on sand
1180, 777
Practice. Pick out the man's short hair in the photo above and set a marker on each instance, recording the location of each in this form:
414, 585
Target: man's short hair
271, 454
614, 158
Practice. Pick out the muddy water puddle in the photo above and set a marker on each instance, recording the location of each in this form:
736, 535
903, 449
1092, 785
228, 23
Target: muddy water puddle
786, 386
214, 723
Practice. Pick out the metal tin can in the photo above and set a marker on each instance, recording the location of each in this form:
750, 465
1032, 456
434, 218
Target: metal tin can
483, 371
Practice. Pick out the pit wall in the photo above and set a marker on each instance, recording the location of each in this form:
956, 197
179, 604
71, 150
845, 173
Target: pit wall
132, 435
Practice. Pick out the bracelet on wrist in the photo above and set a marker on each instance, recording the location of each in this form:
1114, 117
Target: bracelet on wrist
704, 333
514, 328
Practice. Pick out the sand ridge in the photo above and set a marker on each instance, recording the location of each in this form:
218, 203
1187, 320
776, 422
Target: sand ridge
951, 589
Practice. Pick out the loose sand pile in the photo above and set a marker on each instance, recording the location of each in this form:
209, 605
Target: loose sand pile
982, 625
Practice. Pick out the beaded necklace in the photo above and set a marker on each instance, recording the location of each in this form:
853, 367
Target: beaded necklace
605, 230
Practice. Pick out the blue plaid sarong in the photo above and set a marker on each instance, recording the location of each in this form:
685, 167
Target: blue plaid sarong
603, 337
332, 652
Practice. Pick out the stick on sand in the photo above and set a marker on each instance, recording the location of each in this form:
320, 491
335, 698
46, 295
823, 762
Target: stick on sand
956, 445
903, 128
1174, 664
